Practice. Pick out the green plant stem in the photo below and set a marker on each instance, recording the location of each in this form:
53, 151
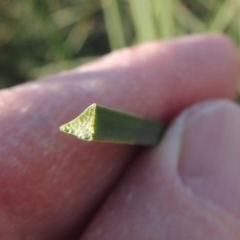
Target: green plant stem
164, 17
224, 15
115, 30
98, 123
143, 20
39, 12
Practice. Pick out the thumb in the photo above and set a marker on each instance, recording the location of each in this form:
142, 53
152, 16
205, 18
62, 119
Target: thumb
209, 162
186, 188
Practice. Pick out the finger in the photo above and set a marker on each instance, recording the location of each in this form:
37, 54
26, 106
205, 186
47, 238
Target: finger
51, 182
187, 188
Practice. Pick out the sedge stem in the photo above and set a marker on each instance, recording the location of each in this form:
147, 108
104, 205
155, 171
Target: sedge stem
98, 123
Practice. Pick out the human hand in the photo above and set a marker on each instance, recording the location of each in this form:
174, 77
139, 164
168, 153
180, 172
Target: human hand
54, 186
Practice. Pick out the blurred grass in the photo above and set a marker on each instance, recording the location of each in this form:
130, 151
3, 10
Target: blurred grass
40, 37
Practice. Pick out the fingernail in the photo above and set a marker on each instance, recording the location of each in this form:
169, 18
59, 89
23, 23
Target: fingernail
209, 159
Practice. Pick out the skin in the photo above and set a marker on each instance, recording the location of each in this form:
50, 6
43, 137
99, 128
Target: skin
54, 186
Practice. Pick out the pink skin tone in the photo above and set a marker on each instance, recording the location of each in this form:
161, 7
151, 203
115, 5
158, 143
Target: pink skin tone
54, 186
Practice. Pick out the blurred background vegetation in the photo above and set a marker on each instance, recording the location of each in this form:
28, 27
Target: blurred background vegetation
41, 37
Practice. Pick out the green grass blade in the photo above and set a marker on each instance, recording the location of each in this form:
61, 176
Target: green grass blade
164, 14
224, 15
115, 30
98, 123
188, 20
38, 10
143, 20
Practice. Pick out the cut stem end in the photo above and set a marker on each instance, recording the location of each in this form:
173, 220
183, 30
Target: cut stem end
82, 126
